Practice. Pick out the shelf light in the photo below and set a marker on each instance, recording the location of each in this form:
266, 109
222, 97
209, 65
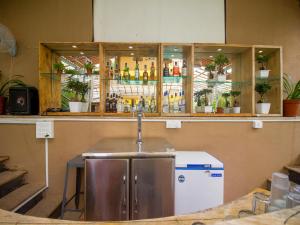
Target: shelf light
131, 53
81, 53
210, 56
175, 49
74, 46
130, 47
172, 55
219, 50
260, 51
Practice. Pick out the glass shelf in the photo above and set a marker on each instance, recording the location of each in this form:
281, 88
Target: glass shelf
269, 79
131, 82
172, 79
216, 82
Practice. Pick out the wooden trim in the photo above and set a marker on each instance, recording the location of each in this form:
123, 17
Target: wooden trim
72, 114
222, 114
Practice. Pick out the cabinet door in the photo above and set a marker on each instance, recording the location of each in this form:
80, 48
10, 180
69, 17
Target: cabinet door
106, 189
152, 192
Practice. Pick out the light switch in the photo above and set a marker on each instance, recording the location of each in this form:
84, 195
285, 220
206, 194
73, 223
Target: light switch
257, 124
44, 129
173, 124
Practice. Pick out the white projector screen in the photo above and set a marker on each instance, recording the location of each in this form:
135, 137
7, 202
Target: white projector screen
181, 21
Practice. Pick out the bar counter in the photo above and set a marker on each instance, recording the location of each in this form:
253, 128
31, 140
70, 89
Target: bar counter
223, 215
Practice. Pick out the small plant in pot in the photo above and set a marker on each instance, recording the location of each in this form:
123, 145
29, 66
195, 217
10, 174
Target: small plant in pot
84, 90
227, 102
262, 107
89, 68
78, 89
59, 67
263, 72
202, 101
221, 61
221, 104
210, 68
199, 101
4, 88
291, 104
236, 105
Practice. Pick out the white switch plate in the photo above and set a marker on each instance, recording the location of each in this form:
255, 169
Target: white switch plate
173, 124
44, 129
257, 124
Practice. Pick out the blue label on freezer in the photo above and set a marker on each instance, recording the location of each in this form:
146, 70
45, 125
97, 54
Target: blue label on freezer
216, 175
181, 178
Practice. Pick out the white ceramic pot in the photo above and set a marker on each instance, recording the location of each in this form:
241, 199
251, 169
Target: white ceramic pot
263, 108
207, 109
236, 109
221, 77
75, 106
227, 110
84, 107
263, 74
198, 109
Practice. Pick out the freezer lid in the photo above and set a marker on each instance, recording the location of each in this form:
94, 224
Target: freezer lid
196, 160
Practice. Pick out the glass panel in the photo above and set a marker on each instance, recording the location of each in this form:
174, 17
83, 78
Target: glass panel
175, 71
222, 80
131, 77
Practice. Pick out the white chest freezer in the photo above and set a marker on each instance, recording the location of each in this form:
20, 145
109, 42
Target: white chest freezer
199, 182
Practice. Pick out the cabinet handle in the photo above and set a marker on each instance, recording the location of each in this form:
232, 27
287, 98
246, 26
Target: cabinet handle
135, 194
124, 205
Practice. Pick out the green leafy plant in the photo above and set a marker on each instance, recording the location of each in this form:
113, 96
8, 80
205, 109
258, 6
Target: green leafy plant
226, 96
78, 88
221, 102
262, 60
201, 97
262, 89
59, 67
291, 89
71, 71
89, 67
220, 61
235, 94
10, 82
210, 68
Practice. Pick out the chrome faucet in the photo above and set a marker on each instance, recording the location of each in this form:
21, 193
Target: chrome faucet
139, 141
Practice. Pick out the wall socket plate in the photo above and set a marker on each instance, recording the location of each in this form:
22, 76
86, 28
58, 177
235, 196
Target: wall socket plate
173, 124
257, 124
44, 129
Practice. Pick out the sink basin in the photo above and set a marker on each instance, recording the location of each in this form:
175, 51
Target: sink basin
126, 148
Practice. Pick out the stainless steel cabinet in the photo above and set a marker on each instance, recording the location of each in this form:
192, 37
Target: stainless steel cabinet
122, 189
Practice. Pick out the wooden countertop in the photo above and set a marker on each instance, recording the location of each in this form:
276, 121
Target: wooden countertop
223, 215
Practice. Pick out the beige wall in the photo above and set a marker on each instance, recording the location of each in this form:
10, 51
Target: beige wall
270, 22
250, 156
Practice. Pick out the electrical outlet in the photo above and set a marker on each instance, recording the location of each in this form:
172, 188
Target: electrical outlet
44, 129
257, 124
173, 124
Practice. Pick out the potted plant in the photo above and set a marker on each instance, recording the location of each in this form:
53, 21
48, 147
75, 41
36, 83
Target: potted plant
198, 100
291, 104
89, 68
263, 72
4, 87
59, 67
221, 61
84, 90
202, 101
71, 72
78, 89
221, 105
227, 102
236, 105
210, 68
262, 107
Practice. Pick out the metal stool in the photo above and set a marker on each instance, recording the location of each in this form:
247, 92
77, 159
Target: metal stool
78, 163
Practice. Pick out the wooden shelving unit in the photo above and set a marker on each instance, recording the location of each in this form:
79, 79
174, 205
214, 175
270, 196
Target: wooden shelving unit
241, 75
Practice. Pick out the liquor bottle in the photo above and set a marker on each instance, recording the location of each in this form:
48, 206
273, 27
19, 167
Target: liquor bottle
166, 72
126, 106
176, 104
184, 69
111, 73
176, 72
182, 105
133, 106
119, 105
147, 105
171, 104
152, 71
136, 71
110, 104
117, 73
126, 73
107, 103
166, 102
145, 75
180, 101
114, 103
107, 70
152, 104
